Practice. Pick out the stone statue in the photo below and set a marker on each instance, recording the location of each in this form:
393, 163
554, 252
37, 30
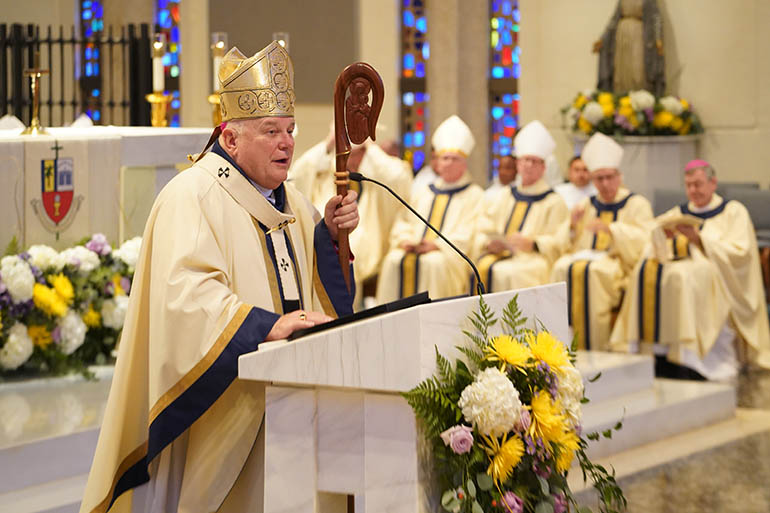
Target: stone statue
631, 49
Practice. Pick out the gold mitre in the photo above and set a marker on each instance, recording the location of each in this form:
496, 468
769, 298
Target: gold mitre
258, 86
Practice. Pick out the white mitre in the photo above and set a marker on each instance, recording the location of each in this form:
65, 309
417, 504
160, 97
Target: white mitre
453, 135
534, 140
602, 152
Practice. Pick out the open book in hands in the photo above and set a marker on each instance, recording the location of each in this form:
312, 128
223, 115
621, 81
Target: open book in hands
662, 247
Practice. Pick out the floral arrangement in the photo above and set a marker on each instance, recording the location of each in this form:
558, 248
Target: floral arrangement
635, 113
62, 311
505, 423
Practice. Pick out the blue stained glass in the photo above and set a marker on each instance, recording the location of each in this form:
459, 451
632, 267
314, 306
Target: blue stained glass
421, 24
426, 51
98, 10
509, 121
497, 72
96, 68
174, 71
506, 150
88, 31
507, 8
175, 120
174, 58
95, 25
505, 141
408, 61
162, 4
507, 99
167, 59
88, 53
515, 58
507, 38
419, 139
406, 3
495, 5
87, 15
96, 116
497, 112
516, 96
418, 159
408, 99
86, 4
176, 94
408, 19
420, 97
89, 69
516, 70
408, 139
164, 20
96, 53
175, 104
420, 69
516, 15
175, 34
95, 93
507, 110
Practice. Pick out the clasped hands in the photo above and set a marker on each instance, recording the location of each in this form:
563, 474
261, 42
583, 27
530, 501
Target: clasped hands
595, 225
424, 246
513, 243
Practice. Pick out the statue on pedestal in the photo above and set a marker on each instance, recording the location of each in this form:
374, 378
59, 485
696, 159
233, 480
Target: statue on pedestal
631, 49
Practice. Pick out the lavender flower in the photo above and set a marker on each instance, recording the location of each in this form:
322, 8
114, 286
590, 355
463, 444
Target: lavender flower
125, 284
98, 244
56, 334
650, 114
559, 503
459, 438
512, 502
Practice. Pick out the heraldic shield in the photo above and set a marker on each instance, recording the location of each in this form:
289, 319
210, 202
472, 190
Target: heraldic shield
58, 188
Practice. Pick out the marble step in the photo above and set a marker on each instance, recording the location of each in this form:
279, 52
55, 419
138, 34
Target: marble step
621, 374
60, 496
666, 409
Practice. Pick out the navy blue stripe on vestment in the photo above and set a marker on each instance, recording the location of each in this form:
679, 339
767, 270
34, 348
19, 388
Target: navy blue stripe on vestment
328, 265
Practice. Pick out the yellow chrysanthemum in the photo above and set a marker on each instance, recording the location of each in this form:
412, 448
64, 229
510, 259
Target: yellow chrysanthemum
584, 125
116, 282
685, 104
662, 119
605, 98
547, 420
627, 111
92, 318
580, 101
40, 335
63, 287
608, 109
686, 127
507, 350
505, 458
677, 123
625, 101
48, 300
568, 443
549, 350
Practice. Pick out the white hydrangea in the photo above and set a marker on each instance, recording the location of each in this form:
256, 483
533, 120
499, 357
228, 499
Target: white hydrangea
18, 278
570, 391
593, 112
73, 332
17, 349
129, 252
572, 114
45, 257
114, 312
81, 257
672, 104
14, 414
641, 100
491, 403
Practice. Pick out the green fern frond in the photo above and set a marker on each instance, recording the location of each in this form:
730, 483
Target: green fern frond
513, 317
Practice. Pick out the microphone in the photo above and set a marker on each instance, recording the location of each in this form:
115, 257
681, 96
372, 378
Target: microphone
358, 177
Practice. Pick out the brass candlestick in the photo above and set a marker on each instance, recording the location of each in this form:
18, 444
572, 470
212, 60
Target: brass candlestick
159, 107
35, 73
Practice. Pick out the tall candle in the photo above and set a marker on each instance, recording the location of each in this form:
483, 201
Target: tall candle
158, 75
217, 62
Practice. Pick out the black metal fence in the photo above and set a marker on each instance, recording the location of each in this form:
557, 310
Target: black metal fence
124, 78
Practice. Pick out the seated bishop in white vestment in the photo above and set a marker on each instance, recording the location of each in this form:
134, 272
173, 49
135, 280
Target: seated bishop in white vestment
418, 259
686, 303
313, 175
517, 239
607, 234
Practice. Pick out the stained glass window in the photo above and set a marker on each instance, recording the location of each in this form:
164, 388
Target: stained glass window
504, 70
90, 77
415, 52
167, 22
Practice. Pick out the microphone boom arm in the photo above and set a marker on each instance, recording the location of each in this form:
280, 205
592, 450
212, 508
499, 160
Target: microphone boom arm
358, 177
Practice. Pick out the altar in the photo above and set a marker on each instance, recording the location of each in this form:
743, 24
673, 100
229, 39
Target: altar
56, 189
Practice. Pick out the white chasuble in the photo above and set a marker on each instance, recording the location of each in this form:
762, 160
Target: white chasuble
534, 211
682, 305
453, 209
597, 265
179, 427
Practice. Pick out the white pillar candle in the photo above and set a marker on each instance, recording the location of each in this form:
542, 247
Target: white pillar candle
217, 62
158, 76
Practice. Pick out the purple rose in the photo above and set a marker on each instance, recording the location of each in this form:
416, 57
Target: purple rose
98, 244
559, 503
512, 503
459, 438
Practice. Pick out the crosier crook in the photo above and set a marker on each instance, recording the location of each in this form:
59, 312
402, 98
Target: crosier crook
354, 120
